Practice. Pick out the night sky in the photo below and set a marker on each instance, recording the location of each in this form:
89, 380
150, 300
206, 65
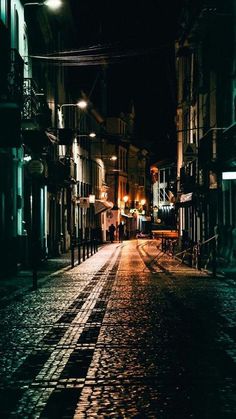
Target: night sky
147, 31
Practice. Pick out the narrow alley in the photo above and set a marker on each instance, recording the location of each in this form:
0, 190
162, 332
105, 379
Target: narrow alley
129, 333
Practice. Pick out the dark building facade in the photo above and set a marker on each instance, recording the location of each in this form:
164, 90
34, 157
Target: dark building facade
29, 94
205, 65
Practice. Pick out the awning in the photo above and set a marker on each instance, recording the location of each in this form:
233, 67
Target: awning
126, 215
186, 197
51, 137
37, 139
100, 206
184, 200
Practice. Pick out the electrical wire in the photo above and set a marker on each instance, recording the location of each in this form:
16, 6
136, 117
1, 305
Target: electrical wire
97, 55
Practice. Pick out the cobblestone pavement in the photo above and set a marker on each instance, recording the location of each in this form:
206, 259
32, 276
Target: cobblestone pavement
130, 333
12, 287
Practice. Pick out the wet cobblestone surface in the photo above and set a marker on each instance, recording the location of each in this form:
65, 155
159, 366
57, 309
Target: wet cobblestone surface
130, 333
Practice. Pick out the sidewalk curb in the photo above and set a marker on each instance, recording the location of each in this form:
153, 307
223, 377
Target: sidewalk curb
13, 295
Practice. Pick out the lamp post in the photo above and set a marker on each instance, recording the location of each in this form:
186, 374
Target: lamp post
81, 105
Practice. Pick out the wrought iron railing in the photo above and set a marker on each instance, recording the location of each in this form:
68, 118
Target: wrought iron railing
31, 104
35, 106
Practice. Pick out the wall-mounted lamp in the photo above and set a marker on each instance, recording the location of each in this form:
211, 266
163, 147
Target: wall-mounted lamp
51, 4
27, 158
91, 135
82, 104
92, 199
113, 158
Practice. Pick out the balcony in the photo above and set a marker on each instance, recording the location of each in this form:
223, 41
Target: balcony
35, 107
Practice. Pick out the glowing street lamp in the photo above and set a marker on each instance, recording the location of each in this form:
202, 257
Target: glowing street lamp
51, 4
82, 104
113, 158
125, 200
91, 135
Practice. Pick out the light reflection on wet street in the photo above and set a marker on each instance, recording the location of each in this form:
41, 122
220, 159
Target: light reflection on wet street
129, 333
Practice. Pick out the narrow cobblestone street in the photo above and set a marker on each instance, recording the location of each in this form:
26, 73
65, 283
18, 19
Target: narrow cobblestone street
129, 333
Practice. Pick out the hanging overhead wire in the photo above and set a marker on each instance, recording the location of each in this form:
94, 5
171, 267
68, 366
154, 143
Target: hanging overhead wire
98, 55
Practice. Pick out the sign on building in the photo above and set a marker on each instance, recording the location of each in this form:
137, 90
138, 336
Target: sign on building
189, 152
84, 202
186, 197
35, 167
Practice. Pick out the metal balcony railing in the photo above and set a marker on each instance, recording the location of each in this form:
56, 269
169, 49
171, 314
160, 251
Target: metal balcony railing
31, 103
35, 106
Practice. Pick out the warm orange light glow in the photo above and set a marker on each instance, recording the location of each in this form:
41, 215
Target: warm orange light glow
126, 198
91, 199
143, 201
113, 158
